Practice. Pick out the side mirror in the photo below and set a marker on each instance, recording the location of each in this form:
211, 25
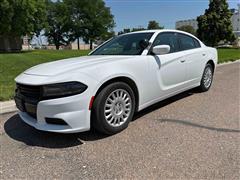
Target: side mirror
161, 49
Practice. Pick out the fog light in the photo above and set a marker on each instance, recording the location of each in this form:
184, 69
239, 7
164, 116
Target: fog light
55, 121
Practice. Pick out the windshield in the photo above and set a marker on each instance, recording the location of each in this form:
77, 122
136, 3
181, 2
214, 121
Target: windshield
129, 44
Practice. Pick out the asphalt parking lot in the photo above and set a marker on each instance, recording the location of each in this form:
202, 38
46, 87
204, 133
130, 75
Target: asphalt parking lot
191, 135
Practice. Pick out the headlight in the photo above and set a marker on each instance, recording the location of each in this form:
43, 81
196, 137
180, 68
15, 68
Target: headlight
63, 89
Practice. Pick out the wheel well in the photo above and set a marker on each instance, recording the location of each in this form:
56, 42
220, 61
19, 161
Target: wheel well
212, 64
126, 80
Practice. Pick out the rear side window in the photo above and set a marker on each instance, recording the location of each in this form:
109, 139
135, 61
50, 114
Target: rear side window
197, 44
167, 39
187, 42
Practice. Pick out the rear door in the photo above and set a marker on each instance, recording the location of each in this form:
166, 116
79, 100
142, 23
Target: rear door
193, 57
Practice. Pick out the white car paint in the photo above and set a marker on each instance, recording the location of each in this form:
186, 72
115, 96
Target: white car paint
156, 77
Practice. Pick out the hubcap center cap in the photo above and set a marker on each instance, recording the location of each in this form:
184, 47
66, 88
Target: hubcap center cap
118, 108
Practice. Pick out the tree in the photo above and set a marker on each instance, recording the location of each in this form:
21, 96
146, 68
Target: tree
154, 25
91, 19
140, 28
75, 9
187, 28
107, 35
151, 25
19, 18
215, 25
128, 30
98, 20
59, 24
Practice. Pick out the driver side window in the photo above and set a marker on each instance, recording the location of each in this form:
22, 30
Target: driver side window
167, 39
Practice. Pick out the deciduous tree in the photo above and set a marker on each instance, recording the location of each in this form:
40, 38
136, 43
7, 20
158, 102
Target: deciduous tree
19, 18
59, 24
154, 25
215, 25
91, 19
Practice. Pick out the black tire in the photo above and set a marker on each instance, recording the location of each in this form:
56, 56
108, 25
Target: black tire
98, 119
206, 86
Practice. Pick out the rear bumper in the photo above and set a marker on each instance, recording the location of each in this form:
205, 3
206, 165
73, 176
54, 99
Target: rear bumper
72, 110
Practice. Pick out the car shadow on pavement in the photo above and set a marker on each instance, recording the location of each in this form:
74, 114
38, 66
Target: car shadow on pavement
165, 103
196, 125
16, 129
20, 131
182, 122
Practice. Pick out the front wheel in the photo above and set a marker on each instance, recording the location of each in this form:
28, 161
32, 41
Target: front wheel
113, 108
207, 78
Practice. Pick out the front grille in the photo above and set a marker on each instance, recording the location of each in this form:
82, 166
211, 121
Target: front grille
27, 98
27, 91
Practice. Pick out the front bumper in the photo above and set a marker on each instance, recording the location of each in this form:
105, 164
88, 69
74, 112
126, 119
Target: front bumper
73, 110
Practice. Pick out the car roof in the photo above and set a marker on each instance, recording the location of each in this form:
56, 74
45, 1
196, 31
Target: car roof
159, 30
166, 30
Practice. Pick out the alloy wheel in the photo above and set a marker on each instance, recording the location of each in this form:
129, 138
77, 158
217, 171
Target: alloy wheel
118, 107
207, 78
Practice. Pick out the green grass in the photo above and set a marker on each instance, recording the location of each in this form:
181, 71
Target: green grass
228, 54
13, 64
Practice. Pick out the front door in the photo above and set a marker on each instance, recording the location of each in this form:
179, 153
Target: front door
168, 70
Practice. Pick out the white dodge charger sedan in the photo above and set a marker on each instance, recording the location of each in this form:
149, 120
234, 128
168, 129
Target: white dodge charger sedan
104, 89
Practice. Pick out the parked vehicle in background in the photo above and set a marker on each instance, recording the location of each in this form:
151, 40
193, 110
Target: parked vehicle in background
124, 75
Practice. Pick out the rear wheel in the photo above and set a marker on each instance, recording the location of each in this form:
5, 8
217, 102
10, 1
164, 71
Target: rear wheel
113, 108
207, 78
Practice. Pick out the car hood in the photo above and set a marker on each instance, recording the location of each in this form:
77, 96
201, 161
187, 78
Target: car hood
71, 64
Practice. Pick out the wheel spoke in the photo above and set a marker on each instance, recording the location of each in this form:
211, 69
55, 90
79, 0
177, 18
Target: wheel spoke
108, 110
121, 94
108, 105
110, 100
124, 96
115, 121
126, 100
112, 118
108, 116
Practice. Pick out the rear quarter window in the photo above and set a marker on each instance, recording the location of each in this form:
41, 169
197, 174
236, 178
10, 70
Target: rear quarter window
197, 43
187, 42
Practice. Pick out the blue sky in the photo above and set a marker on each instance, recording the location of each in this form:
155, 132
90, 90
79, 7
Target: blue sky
135, 13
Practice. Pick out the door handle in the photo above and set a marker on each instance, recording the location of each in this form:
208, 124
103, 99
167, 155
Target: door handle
204, 54
182, 61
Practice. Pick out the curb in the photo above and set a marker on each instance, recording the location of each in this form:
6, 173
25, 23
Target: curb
10, 107
228, 63
7, 107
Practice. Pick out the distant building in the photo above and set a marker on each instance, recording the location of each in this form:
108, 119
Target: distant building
189, 22
235, 22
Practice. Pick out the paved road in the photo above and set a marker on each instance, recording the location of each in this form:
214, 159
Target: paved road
192, 135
